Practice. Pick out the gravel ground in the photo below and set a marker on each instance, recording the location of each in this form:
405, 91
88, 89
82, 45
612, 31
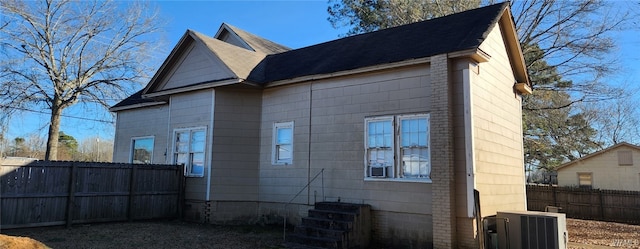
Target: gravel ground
583, 234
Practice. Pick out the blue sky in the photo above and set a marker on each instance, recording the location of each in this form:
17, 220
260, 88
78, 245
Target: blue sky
292, 23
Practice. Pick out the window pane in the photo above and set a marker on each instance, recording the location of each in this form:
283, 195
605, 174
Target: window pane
380, 157
380, 134
142, 150
197, 141
388, 140
284, 136
284, 152
415, 163
182, 158
197, 163
372, 142
182, 136
182, 142
422, 125
414, 132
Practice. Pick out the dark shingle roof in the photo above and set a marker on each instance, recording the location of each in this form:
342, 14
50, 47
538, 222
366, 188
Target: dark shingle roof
239, 60
258, 43
457, 32
134, 99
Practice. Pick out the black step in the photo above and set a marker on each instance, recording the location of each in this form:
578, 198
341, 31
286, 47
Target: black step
327, 223
315, 241
338, 206
333, 214
321, 232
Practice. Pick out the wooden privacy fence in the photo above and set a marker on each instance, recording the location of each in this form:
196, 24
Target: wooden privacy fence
44, 193
592, 204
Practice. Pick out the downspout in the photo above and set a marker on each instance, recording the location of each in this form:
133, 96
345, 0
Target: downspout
115, 145
309, 146
213, 105
469, 138
168, 155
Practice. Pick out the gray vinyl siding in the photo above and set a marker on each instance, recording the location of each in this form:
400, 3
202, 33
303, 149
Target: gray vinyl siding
192, 110
338, 108
141, 122
236, 145
279, 183
196, 66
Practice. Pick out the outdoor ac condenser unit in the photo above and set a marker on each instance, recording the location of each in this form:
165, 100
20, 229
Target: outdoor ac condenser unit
531, 230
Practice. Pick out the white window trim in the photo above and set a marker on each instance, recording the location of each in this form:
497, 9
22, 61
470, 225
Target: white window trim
392, 175
173, 149
132, 144
276, 126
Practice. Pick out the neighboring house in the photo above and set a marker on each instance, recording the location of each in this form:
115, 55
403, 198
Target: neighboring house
614, 168
409, 120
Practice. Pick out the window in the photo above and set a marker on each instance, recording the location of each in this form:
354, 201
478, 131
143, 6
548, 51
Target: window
282, 149
142, 150
398, 147
625, 158
189, 150
585, 180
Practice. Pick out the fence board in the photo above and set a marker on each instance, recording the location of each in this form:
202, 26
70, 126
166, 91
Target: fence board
39, 193
592, 204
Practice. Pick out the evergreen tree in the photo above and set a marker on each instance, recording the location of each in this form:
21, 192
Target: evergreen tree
573, 35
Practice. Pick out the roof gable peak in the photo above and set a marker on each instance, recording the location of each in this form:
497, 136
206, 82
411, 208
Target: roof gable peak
246, 40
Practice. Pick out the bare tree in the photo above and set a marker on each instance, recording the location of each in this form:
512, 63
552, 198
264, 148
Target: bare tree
573, 38
616, 120
95, 149
567, 47
59, 53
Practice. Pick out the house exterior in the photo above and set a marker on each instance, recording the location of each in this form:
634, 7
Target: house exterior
614, 168
409, 120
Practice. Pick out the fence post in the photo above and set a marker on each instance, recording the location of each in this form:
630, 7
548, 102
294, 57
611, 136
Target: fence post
132, 189
72, 193
555, 198
601, 204
181, 187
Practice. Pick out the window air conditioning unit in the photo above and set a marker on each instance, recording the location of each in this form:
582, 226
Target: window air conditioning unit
531, 230
380, 172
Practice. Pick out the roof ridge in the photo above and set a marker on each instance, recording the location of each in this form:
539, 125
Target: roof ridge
257, 42
456, 32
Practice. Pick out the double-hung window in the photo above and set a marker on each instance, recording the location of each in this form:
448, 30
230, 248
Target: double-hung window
282, 146
142, 150
397, 147
380, 149
189, 150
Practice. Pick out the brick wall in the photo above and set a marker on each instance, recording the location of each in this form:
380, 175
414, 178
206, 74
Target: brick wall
443, 204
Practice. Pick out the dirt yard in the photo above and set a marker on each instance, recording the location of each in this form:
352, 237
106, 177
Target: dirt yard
168, 234
582, 235
617, 235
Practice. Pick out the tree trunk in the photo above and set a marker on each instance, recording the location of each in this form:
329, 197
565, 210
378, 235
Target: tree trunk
54, 133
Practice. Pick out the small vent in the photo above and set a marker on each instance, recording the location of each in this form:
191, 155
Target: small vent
378, 172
